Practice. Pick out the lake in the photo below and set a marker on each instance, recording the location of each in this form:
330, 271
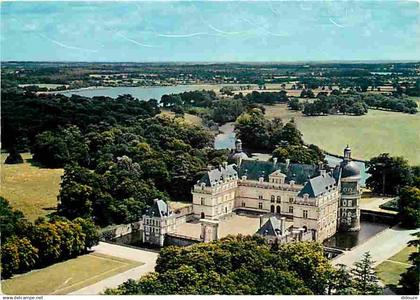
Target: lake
140, 92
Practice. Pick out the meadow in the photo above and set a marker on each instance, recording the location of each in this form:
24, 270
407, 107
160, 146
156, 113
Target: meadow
368, 135
67, 276
29, 188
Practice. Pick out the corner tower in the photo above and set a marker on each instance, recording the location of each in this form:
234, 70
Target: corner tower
349, 209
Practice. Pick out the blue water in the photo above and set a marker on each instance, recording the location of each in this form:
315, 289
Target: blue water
140, 92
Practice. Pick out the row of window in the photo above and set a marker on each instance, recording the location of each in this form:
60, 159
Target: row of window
219, 200
278, 209
151, 229
152, 222
276, 199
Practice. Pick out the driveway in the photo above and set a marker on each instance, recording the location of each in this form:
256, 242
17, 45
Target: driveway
144, 256
382, 246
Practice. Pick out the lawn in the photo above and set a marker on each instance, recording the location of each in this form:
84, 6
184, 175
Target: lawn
369, 135
192, 119
65, 277
30, 189
389, 271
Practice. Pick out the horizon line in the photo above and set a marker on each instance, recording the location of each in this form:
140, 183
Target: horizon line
223, 61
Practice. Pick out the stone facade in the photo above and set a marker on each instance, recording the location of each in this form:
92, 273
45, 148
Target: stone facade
312, 199
157, 222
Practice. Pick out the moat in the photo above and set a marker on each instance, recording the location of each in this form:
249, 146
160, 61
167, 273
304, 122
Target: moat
348, 240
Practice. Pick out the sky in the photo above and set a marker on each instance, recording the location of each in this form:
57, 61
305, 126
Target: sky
200, 31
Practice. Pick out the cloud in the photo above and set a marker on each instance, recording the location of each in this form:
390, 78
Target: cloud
336, 24
134, 41
65, 45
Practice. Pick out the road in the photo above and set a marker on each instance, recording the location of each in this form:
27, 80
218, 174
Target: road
147, 257
382, 246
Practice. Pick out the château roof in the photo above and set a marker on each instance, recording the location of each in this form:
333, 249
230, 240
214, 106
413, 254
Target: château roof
318, 185
159, 209
272, 228
253, 169
218, 174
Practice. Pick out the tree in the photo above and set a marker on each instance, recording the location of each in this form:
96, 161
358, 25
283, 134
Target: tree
341, 283
388, 174
365, 279
55, 149
12, 222
308, 261
299, 154
409, 207
18, 255
90, 231
251, 128
410, 279
14, 157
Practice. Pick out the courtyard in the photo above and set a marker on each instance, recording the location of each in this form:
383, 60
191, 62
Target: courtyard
232, 224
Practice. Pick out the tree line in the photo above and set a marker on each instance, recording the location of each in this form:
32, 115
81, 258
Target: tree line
248, 265
26, 246
351, 103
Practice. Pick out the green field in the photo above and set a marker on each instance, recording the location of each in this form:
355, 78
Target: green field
65, 277
30, 189
369, 135
389, 271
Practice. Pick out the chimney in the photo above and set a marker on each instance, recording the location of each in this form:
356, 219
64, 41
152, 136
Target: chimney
225, 164
320, 165
274, 160
283, 225
287, 163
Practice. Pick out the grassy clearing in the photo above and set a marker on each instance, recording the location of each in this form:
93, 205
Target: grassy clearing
369, 135
389, 271
71, 275
30, 189
192, 119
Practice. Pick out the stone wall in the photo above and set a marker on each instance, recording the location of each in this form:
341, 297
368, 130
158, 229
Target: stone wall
115, 231
172, 239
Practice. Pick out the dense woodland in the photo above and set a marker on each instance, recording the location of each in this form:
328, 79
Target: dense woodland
245, 265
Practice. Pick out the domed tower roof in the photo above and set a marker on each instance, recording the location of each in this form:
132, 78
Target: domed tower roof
238, 155
349, 168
